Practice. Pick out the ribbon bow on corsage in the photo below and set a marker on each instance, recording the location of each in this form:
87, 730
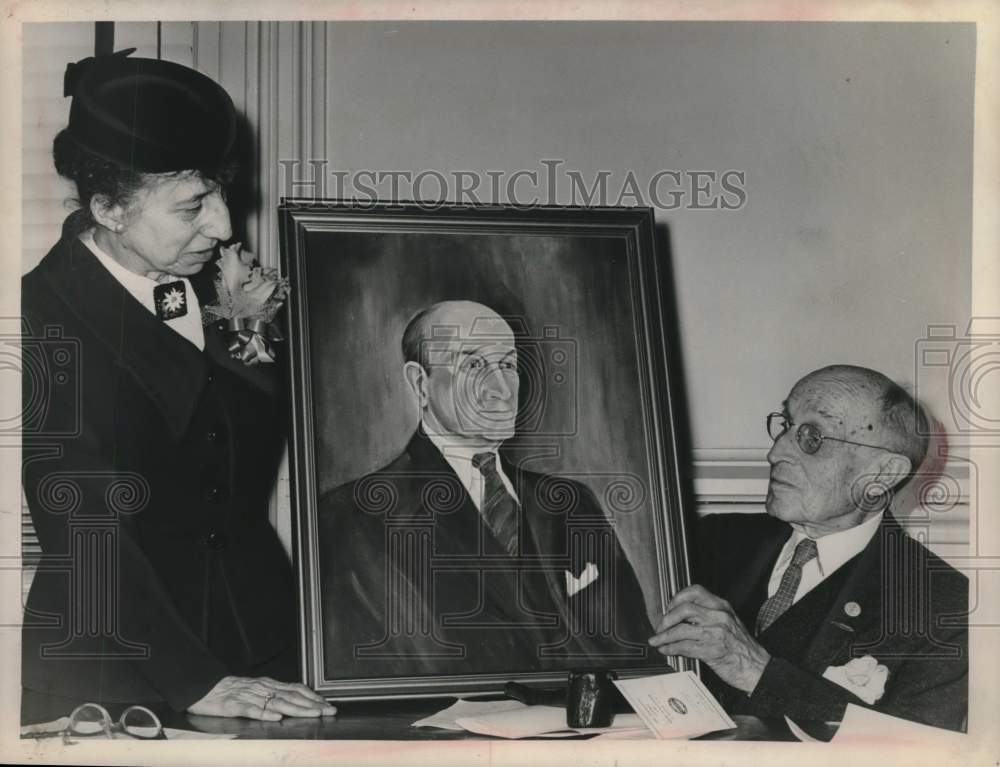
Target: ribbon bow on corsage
248, 297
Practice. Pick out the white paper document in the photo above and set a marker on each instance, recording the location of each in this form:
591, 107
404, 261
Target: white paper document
627, 733
675, 705
533, 721
512, 719
799, 733
448, 718
863, 725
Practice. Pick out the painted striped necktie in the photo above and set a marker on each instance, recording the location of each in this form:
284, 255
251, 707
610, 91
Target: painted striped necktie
499, 508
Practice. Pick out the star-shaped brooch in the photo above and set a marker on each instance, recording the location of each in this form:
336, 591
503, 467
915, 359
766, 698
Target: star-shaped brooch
170, 300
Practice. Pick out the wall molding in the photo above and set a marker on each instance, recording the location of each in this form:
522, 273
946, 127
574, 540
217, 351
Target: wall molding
938, 510
741, 476
271, 68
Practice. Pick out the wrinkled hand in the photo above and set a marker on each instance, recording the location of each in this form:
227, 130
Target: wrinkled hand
700, 625
261, 698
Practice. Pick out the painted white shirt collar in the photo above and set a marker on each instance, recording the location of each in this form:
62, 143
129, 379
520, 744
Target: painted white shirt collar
459, 458
832, 551
141, 288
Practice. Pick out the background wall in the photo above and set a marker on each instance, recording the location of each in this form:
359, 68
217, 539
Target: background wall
855, 140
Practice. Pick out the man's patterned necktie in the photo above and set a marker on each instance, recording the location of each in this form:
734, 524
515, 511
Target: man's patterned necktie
772, 609
499, 508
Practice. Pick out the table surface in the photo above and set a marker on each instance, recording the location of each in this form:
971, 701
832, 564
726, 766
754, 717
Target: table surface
393, 720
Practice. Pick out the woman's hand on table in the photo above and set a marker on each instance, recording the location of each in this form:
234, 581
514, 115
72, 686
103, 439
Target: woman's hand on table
261, 698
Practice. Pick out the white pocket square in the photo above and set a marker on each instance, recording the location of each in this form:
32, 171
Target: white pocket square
588, 576
865, 677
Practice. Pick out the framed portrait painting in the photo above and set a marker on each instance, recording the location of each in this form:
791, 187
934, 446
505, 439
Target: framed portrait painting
485, 479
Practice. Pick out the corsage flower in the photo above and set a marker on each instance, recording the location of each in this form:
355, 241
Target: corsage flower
248, 297
865, 677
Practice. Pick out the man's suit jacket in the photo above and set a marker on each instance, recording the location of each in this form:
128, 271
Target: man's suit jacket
415, 583
895, 601
148, 466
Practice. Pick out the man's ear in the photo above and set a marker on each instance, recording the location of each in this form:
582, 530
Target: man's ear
416, 378
886, 471
111, 217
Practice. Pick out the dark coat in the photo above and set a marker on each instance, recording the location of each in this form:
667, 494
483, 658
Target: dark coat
909, 612
415, 583
147, 470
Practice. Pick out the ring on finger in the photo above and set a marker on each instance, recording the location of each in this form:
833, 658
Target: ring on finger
267, 699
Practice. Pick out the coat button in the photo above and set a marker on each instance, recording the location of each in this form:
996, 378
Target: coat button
216, 541
217, 433
215, 494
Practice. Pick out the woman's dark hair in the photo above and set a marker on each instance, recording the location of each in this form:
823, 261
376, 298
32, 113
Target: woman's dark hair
94, 175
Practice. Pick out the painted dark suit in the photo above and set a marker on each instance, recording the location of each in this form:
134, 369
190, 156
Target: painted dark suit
895, 601
415, 583
147, 469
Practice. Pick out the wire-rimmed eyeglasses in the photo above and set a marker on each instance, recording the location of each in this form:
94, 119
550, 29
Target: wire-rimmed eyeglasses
93, 720
807, 435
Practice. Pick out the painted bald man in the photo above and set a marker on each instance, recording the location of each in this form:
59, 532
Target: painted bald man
826, 600
456, 560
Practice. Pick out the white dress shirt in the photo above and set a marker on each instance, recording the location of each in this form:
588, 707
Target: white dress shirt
832, 551
141, 288
459, 457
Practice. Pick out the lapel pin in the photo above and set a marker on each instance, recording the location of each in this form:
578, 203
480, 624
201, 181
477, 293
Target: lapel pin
853, 609
170, 300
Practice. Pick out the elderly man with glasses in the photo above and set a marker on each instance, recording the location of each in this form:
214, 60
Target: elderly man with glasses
825, 600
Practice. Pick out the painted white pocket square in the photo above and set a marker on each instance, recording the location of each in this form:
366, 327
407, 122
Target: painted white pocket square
588, 576
865, 677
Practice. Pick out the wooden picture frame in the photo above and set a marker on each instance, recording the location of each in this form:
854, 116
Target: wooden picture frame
377, 512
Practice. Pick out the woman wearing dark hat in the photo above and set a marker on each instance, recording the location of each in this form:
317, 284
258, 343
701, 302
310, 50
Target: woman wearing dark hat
149, 460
